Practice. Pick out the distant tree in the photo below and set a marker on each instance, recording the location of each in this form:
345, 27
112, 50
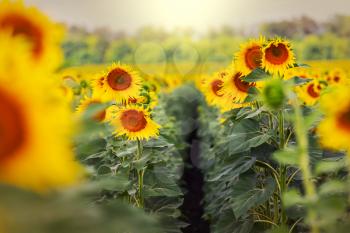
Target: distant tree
300, 27
339, 25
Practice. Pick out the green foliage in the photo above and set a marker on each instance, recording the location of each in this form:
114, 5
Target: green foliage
70, 211
116, 166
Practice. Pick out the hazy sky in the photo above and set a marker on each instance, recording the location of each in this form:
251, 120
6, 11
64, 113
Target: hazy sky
129, 15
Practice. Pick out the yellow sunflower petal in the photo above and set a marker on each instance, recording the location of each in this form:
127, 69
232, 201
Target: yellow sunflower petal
35, 28
134, 122
277, 57
35, 127
334, 130
250, 55
119, 83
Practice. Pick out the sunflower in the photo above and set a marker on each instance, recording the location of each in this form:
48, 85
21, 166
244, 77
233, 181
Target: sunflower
119, 83
277, 57
211, 87
134, 122
234, 88
35, 28
250, 55
337, 77
300, 72
334, 130
89, 102
35, 126
310, 92
149, 99
171, 82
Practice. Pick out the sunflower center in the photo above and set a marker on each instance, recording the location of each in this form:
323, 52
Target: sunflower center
253, 57
12, 127
240, 84
277, 54
20, 25
311, 91
344, 120
119, 79
216, 86
133, 120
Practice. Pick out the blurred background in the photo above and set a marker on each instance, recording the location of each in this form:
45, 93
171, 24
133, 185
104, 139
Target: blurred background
161, 31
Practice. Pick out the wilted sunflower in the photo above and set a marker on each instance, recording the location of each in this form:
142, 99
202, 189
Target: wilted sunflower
310, 92
119, 83
211, 87
334, 130
35, 127
36, 29
234, 87
134, 122
277, 57
250, 55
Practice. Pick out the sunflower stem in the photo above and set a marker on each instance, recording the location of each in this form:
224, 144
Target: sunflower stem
140, 175
304, 164
282, 168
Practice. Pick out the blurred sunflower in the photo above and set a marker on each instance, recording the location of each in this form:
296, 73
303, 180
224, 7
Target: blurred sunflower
310, 92
337, 77
334, 130
35, 28
277, 57
171, 82
211, 87
90, 102
134, 122
234, 88
300, 72
35, 127
250, 55
147, 98
119, 83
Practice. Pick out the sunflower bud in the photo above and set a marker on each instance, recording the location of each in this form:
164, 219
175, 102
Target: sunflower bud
274, 94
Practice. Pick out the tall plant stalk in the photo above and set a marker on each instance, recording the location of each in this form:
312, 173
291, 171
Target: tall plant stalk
140, 175
283, 168
304, 164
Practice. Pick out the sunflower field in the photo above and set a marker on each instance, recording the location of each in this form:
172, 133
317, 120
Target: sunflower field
259, 143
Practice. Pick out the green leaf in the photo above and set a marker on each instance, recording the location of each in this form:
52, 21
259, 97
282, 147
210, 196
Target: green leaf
287, 156
233, 170
157, 192
141, 163
118, 182
240, 142
300, 81
292, 197
252, 95
243, 202
329, 166
257, 75
333, 187
301, 65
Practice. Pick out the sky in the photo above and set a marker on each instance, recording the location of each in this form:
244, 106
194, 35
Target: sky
200, 15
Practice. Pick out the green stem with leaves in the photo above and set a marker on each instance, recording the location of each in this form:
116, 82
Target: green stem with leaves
304, 163
140, 175
283, 168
